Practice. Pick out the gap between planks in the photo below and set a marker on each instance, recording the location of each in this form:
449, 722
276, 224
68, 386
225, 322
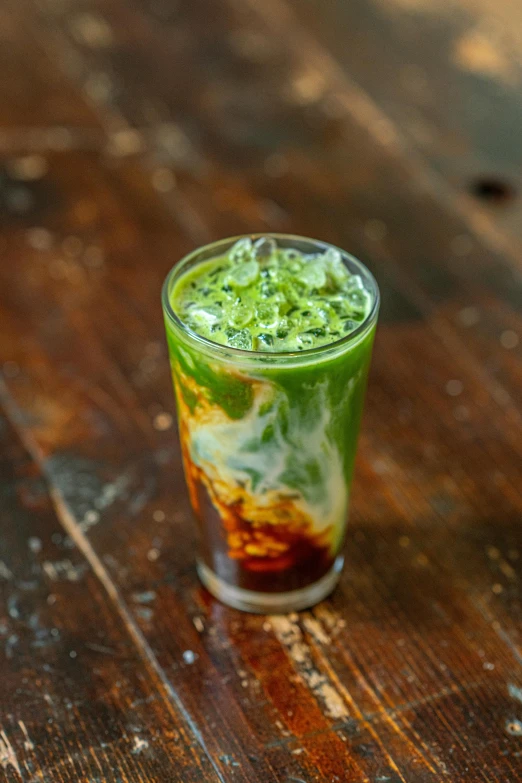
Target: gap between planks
171, 698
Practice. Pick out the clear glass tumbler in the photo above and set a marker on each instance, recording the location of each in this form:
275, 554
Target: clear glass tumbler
268, 443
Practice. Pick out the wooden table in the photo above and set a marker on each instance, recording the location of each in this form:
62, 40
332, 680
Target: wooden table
131, 131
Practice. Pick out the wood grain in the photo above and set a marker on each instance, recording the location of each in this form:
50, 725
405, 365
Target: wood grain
450, 80
82, 698
209, 119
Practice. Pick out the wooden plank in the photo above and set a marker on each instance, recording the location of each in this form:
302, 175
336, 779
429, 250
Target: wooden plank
437, 491
140, 556
39, 108
448, 74
84, 464
464, 263
80, 698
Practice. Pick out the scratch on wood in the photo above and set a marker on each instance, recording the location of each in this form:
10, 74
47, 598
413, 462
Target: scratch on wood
7, 754
431, 698
172, 699
508, 570
28, 743
359, 715
101, 648
515, 692
315, 628
111, 492
290, 636
5, 572
501, 633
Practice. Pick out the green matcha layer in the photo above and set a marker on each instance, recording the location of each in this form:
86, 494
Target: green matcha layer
260, 297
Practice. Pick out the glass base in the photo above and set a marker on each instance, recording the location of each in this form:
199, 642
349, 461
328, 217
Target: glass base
270, 603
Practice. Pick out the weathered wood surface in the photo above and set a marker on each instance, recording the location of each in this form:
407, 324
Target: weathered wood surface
450, 79
131, 131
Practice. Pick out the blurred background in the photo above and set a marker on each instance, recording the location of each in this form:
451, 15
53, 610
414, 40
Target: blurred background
233, 111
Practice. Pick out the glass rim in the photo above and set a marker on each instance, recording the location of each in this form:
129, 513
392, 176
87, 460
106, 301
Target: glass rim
271, 356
